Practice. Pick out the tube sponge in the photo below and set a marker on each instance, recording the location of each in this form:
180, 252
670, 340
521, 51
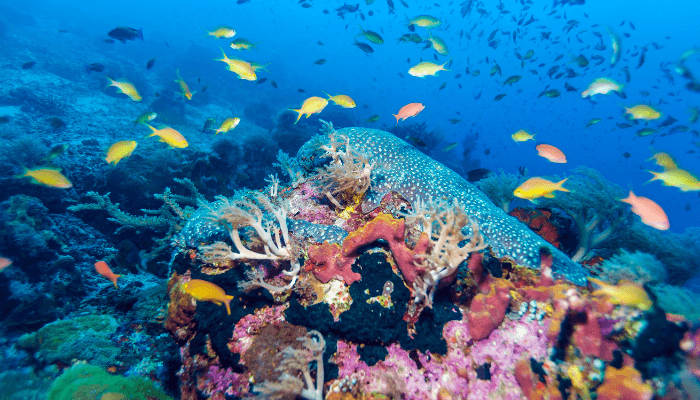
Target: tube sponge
88, 382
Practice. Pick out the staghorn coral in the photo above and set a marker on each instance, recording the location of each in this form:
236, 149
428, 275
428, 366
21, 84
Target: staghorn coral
499, 188
169, 218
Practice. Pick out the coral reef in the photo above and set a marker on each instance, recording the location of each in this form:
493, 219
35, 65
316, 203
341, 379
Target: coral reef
594, 204
88, 382
499, 188
81, 338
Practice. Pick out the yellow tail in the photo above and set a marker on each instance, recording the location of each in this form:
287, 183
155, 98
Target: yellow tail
560, 183
298, 116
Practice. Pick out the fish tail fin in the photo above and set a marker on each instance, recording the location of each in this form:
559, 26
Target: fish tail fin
224, 53
329, 96
25, 170
227, 303
656, 177
298, 116
560, 183
629, 198
409, 20
115, 281
597, 283
397, 118
111, 82
152, 129
445, 63
363, 31
139, 34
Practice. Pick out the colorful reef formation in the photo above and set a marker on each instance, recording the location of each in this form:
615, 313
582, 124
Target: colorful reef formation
377, 273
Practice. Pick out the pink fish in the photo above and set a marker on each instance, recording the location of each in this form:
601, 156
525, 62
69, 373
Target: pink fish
551, 153
651, 213
408, 111
4, 263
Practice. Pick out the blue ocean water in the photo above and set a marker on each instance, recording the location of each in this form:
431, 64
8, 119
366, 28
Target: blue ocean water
288, 36
468, 128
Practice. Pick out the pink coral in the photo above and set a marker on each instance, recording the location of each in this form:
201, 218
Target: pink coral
218, 381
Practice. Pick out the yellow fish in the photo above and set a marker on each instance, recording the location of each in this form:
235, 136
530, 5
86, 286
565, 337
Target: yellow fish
643, 111
425, 68
342, 100
257, 66
243, 44
522, 136
578, 382
664, 160
184, 89
424, 21
46, 176
222, 32
601, 86
312, 105
227, 125
120, 150
127, 88
170, 136
438, 44
624, 293
207, 291
536, 187
679, 178
241, 68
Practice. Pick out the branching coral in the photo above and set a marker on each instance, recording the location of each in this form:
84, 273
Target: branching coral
295, 362
638, 267
348, 172
499, 188
252, 209
442, 223
169, 218
595, 206
290, 167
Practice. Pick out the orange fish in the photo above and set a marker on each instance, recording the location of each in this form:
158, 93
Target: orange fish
103, 269
408, 111
651, 213
551, 153
4, 263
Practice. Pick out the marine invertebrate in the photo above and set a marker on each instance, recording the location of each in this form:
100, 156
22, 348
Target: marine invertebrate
294, 362
538, 221
249, 210
88, 382
443, 224
39, 101
82, 338
169, 218
348, 172
499, 188
625, 383
635, 266
594, 204
405, 170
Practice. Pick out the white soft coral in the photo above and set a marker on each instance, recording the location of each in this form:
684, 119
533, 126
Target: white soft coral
348, 172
